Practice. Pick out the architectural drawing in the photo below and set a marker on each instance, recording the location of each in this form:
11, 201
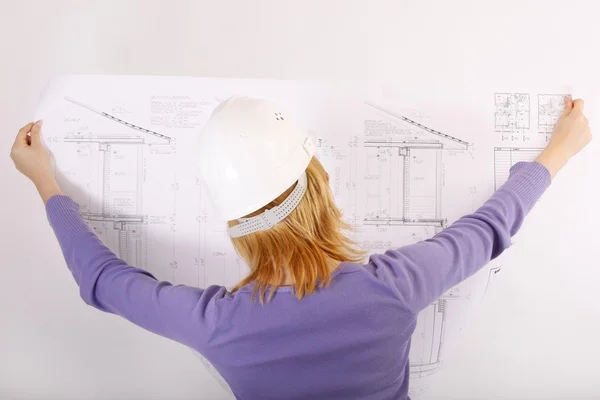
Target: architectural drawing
404, 184
125, 152
118, 215
506, 157
402, 179
550, 108
341, 162
403, 171
512, 117
389, 183
426, 359
120, 121
388, 115
120, 167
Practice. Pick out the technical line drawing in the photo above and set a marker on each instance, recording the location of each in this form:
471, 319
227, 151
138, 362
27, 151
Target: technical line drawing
432, 324
120, 193
123, 173
403, 144
120, 208
426, 355
425, 359
119, 110
494, 271
418, 125
512, 115
404, 177
403, 185
550, 108
120, 121
390, 173
506, 157
215, 374
340, 160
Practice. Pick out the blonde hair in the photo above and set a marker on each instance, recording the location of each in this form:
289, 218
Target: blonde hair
304, 243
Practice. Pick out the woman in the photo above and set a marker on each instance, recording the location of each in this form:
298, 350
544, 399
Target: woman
325, 326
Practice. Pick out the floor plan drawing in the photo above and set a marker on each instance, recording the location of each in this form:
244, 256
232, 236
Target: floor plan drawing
550, 108
512, 117
506, 157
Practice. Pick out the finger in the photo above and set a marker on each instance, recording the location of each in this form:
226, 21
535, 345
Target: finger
568, 106
35, 133
578, 106
21, 138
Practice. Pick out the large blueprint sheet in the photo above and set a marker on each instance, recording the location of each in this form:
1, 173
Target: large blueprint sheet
403, 166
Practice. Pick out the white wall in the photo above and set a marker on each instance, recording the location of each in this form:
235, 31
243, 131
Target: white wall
537, 338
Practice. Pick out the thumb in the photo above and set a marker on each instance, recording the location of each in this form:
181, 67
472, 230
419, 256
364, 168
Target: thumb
578, 105
35, 134
568, 106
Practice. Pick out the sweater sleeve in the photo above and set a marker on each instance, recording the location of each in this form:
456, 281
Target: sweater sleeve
181, 313
422, 272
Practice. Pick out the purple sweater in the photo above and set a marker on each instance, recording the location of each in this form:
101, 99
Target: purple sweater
349, 340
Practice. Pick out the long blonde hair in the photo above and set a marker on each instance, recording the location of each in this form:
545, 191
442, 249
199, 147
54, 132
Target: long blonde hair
305, 243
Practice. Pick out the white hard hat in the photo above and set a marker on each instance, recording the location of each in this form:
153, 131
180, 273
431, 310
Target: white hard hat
250, 152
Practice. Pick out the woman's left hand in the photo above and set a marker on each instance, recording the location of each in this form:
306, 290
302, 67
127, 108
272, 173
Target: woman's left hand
32, 159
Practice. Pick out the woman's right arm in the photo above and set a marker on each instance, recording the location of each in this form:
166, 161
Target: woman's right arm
182, 313
424, 271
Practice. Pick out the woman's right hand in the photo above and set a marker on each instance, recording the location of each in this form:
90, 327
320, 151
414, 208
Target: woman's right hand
571, 134
32, 159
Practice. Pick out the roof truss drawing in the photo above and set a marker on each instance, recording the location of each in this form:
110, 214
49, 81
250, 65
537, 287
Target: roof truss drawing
439, 136
151, 133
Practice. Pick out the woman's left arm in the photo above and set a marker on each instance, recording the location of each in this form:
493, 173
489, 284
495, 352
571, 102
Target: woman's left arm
106, 282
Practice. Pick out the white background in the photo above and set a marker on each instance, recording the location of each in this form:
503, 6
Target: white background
537, 337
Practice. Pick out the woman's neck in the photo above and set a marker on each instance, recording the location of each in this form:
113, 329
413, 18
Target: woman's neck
288, 279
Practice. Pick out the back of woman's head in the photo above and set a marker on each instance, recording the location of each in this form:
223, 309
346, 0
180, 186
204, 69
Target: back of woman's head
304, 246
259, 168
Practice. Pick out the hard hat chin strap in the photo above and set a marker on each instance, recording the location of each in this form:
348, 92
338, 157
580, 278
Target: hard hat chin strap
271, 217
